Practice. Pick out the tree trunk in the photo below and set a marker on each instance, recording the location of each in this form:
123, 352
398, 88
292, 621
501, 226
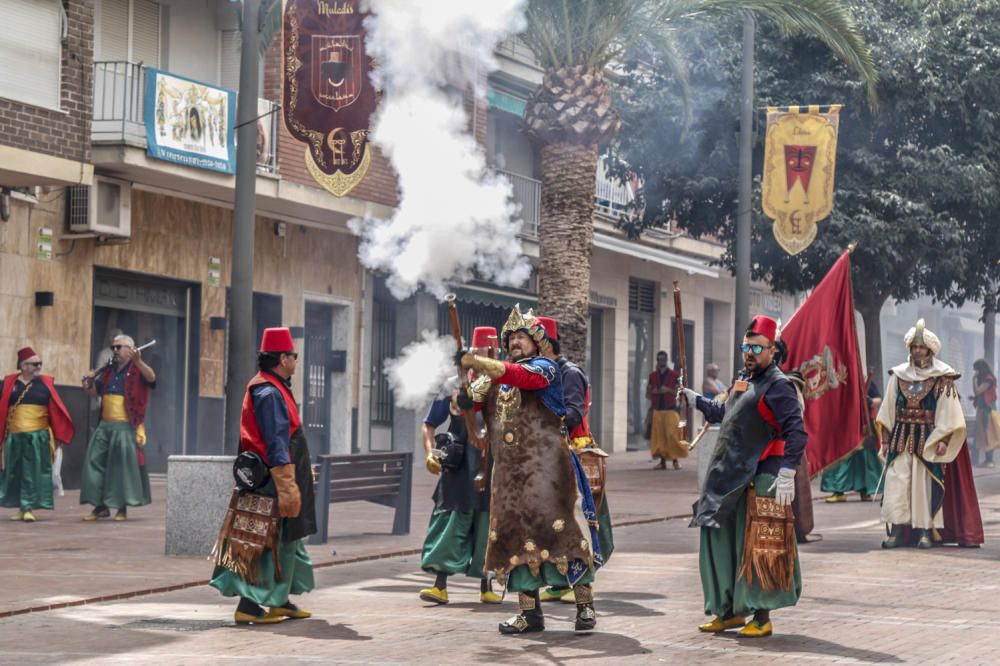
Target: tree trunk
870, 313
565, 237
989, 336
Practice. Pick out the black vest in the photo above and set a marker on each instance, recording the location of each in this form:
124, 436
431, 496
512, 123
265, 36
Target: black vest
743, 436
303, 524
456, 489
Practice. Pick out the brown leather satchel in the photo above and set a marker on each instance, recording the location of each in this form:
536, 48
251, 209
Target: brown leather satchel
249, 528
595, 466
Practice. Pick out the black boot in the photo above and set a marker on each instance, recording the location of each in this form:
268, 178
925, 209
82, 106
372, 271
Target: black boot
586, 617
895, 539
924, 539
530, 619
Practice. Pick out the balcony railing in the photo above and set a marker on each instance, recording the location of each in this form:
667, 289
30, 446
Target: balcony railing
610, 197
528, 193
119, 111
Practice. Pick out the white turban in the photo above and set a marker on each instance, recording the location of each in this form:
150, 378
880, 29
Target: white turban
918, 335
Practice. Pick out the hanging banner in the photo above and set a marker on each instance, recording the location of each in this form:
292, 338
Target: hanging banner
800, 158
189, 122
327, 96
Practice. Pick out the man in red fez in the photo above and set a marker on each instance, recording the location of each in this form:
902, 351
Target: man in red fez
114, 472
750, 486
460, 523
33, 420
271, 428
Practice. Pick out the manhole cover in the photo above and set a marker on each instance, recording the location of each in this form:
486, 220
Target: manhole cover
166, 624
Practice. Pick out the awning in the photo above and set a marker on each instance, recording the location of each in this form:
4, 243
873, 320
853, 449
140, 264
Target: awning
496, 299
504, 102
632, 249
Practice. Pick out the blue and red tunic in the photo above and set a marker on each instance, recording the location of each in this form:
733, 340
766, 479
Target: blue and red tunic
269, 419
59, 419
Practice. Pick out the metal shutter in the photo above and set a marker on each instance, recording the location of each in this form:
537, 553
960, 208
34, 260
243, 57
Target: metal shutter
146, 32
31, 51
112, 36
641, 295
229, 58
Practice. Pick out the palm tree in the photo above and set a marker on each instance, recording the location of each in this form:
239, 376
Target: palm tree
572, 112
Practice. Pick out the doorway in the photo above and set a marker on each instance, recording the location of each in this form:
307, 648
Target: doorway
326, 382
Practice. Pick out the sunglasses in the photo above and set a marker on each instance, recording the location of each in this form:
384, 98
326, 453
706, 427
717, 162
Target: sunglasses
117, 347
294, 355
37, 364
756, 349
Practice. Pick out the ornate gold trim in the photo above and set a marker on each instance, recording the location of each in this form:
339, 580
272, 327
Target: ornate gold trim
339, 183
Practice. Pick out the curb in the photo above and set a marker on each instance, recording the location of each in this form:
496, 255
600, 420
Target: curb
121, 596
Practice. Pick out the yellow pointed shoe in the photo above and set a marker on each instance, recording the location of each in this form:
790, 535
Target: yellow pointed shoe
836, 498
718, 624
754, 630
490, 597
266, 618
435, 595
569, 597
290, 611
17, 516
29, 517
553, 594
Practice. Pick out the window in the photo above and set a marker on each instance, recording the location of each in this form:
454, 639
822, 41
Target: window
128, 30
230, 42
31, 51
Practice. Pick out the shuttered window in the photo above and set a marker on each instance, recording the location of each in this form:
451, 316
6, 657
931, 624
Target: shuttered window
230, 42
129, 30
31, 51
641, 295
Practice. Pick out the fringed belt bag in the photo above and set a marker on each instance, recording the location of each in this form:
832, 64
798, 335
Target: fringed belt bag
769, 543
250, 528
595, 466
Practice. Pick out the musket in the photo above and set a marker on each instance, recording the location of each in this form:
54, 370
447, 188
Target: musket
697, 438
682, 426
469, 415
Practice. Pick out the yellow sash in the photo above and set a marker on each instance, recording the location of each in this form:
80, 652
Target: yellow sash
28, 418
113, 411
31, 418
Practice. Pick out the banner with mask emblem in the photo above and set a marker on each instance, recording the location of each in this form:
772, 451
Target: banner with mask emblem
327, 96
800, 158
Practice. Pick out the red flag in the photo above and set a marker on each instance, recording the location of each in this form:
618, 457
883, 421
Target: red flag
823, 346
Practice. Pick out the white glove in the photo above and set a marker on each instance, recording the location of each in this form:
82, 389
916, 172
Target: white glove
784, 486
691, 395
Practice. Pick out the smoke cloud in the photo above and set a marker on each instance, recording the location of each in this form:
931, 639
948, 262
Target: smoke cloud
422, 370
454, 219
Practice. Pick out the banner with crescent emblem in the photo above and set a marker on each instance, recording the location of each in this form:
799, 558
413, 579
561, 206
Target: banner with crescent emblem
327, 95
800, 158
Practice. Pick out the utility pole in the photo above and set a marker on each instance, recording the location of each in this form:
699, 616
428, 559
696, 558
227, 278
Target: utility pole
239, 361
742, 308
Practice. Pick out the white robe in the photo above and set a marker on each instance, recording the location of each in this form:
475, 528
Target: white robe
906, 499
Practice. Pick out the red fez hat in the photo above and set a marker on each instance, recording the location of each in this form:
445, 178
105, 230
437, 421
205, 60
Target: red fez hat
277, 340
24, 354
483, 337
549, 324
763, 325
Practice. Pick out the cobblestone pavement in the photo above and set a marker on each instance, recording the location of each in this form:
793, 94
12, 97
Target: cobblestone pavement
860, 605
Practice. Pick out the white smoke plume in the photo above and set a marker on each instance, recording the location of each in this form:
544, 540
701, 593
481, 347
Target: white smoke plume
454, 217
422, 371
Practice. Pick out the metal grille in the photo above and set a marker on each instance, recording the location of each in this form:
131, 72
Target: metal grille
317, 380
383, 345
77, 205
641, 295
472, 315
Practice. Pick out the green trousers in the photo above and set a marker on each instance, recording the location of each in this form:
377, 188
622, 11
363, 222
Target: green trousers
456, 543
111, 474
860, 472
26, 481
719, 557
296, 577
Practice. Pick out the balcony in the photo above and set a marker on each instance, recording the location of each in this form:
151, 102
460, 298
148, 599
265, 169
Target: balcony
527, 192
119, 112
610, 197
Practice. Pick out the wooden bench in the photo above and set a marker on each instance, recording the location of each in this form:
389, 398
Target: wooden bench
383, 478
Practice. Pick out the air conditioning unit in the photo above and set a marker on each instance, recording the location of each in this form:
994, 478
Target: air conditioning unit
102, 209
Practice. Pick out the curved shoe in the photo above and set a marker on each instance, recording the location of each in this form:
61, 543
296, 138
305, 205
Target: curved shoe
29, 517
718, 624
435, 595
569, 597
756, 630
264, 618
865, 497
522, 624
290, 611
96, 514
923, 542
554, 593
490, 597
836, 498
895, 539
17, 516
586, 620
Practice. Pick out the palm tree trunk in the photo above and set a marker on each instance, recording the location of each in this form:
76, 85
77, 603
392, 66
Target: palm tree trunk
565, 236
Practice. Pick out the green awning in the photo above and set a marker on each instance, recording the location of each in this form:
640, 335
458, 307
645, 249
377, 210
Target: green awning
504, 102
497, 300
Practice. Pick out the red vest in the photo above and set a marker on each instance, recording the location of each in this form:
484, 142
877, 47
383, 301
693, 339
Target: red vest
250, 437
136, 392
59, 420
583, 428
